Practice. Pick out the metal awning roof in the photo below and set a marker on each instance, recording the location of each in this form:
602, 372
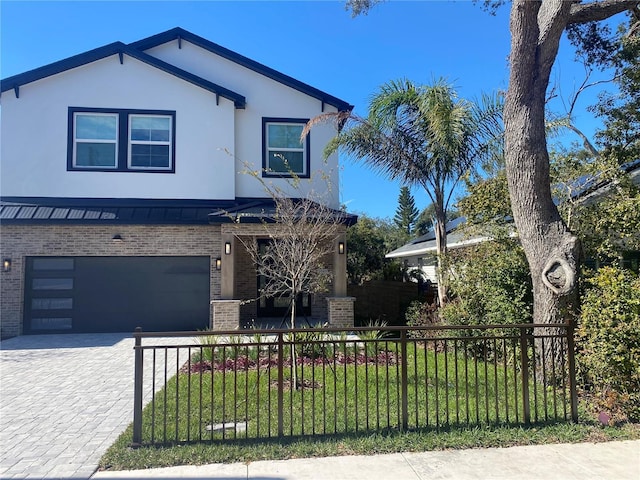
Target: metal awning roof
21, 210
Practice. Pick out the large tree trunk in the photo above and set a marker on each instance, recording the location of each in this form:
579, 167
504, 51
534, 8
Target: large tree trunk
551, 249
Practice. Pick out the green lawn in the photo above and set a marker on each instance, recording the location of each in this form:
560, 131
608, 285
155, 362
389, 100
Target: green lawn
351, 403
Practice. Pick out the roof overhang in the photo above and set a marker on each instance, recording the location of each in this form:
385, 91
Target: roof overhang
264, 211
118, 48
180, 35
429, 248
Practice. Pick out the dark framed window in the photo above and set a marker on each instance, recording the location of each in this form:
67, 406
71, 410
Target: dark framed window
121, 140
283, 153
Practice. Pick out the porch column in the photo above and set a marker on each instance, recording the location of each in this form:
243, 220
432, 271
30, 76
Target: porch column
226, 315
340, 311
228, 266
340, 267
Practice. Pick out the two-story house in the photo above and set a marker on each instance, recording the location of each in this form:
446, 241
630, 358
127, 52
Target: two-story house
115, 167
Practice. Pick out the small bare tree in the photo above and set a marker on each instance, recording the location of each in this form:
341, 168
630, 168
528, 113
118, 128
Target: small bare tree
302, 234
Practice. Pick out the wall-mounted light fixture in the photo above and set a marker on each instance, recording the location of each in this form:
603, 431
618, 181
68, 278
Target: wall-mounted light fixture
117, 238
341, 248
6, 265
227, 248
218, 263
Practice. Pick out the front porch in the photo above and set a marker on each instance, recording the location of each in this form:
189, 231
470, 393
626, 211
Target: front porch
240, 305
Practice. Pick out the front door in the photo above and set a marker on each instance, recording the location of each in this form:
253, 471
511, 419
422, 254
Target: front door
278, 305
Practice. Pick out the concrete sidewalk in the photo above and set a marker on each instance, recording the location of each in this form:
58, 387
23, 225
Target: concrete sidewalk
581, 461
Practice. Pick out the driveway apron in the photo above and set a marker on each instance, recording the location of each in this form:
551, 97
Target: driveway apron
64, 399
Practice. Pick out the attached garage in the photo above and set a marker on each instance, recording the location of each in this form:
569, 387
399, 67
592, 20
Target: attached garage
116, 294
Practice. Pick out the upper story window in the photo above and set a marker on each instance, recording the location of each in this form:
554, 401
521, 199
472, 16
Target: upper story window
284, 155
96, 140
121, 140
149, 141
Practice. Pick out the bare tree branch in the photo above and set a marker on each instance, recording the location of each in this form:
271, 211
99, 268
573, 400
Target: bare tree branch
599, 10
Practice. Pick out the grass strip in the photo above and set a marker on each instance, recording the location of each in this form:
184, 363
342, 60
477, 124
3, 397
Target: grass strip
120, 456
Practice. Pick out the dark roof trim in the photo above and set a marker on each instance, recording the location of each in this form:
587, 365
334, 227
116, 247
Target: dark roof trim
263, 211
238, 100
14, 82
135, 211
181, 35
105, 211
60, 66
118, 202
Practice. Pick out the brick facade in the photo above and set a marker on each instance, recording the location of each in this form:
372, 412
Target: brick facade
20, 241
246, 281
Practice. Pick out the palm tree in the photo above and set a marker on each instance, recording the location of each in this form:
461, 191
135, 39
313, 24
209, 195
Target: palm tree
426, 136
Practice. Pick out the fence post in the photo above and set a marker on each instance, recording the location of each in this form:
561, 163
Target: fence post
137, 389
573, 391
524, 362
404, 380
281, 383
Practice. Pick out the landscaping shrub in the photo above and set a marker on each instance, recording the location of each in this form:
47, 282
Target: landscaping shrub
490, 285
608, 342
421, 314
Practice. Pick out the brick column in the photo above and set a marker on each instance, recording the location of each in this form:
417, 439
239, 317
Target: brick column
340, 311
226, 315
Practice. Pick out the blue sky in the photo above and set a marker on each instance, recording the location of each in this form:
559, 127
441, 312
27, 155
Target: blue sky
316, 42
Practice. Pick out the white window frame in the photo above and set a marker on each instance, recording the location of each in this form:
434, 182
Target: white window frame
131, 142
76, 140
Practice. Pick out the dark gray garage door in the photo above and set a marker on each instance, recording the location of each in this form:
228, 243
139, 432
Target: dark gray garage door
116, 294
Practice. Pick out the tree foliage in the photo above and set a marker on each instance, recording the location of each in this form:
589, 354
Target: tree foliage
424, 136
620, 137
491, 284
365, 256
609, 342
406, 213
487, 201
424, 222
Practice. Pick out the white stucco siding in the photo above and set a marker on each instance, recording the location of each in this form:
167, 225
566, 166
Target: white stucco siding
35, 130
265, 97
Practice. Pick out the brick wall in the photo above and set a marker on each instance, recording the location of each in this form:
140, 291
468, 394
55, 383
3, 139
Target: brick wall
226, 314
340, 311
20, 241
246, 282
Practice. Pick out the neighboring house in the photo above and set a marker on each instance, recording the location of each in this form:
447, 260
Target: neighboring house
116, 165
420, 253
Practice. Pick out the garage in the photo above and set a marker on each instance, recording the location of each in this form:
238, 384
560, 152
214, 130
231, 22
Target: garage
116, 294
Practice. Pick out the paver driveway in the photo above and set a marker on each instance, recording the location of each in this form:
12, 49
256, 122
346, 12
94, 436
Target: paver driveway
63, 400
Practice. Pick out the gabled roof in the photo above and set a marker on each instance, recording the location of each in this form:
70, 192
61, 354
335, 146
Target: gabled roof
119, 48
181, 34
137, 50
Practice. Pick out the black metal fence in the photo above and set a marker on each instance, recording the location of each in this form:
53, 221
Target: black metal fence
275, 383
